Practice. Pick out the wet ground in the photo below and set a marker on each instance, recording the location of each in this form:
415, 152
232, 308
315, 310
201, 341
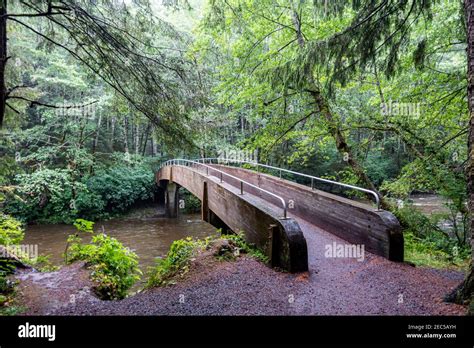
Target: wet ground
333, 286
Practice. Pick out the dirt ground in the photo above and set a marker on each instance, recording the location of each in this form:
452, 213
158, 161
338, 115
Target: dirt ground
245, 286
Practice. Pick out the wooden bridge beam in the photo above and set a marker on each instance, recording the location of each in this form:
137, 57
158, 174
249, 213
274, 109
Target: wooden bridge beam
226, 208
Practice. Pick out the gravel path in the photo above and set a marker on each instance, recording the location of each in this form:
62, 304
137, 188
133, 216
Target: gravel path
246, 287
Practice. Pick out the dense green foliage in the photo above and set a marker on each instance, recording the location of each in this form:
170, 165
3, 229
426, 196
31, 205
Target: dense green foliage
114, 267
192, 204
424, 233
54, 195
380, 103
11, 231
432, 252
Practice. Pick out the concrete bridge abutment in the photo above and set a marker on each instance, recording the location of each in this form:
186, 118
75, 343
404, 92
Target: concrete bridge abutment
171, 199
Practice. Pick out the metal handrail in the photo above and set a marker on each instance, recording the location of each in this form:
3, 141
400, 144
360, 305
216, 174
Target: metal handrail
373, 193
180, 161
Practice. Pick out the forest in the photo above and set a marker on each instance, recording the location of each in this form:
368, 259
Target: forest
94, 95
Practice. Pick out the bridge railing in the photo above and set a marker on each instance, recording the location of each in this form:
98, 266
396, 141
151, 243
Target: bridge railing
222, 174
313, 178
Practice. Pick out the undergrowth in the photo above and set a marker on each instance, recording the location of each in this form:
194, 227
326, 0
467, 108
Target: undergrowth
177, 262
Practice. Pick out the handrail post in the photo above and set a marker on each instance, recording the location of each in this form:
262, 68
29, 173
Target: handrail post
312, 184
221, 176
241, 187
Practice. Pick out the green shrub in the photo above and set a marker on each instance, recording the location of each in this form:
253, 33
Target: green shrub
425, 230
245, 247
114, 267
415, 221
61, 195
119, 188
176, 262
46, 196
422, 252
11, 231
192, 204
84, 225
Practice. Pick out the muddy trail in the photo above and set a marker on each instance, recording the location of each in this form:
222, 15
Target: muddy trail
333, 286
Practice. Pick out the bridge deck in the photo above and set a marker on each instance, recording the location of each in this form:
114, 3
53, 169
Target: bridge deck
355, 222
334, 225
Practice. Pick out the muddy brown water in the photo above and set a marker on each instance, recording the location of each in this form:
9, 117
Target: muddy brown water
149, 237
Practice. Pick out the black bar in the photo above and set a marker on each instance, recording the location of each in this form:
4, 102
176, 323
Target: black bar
241, 330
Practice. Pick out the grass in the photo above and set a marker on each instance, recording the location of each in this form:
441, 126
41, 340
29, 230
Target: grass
425, 253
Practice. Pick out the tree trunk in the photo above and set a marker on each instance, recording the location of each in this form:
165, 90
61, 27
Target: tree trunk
3, 58
341, 144
146, 135
112, 133
155, 144
125, 130
466, 292
137, 138
97, 133
334, 129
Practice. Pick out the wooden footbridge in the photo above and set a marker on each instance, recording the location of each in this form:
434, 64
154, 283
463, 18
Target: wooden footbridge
266, 208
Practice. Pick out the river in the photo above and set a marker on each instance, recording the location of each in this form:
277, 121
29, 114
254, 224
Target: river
145, 232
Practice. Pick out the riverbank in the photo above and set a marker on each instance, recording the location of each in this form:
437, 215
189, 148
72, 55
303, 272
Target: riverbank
248, 287
146, 231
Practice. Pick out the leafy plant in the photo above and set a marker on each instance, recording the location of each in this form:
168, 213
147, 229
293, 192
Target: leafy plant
42, 263
244, 247
11, 231
114, 267
176, 262
414, 221
423, 252
426, 243
84, 225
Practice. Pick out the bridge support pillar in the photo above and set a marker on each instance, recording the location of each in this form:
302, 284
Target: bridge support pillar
208, 215
171, 200
205, 203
